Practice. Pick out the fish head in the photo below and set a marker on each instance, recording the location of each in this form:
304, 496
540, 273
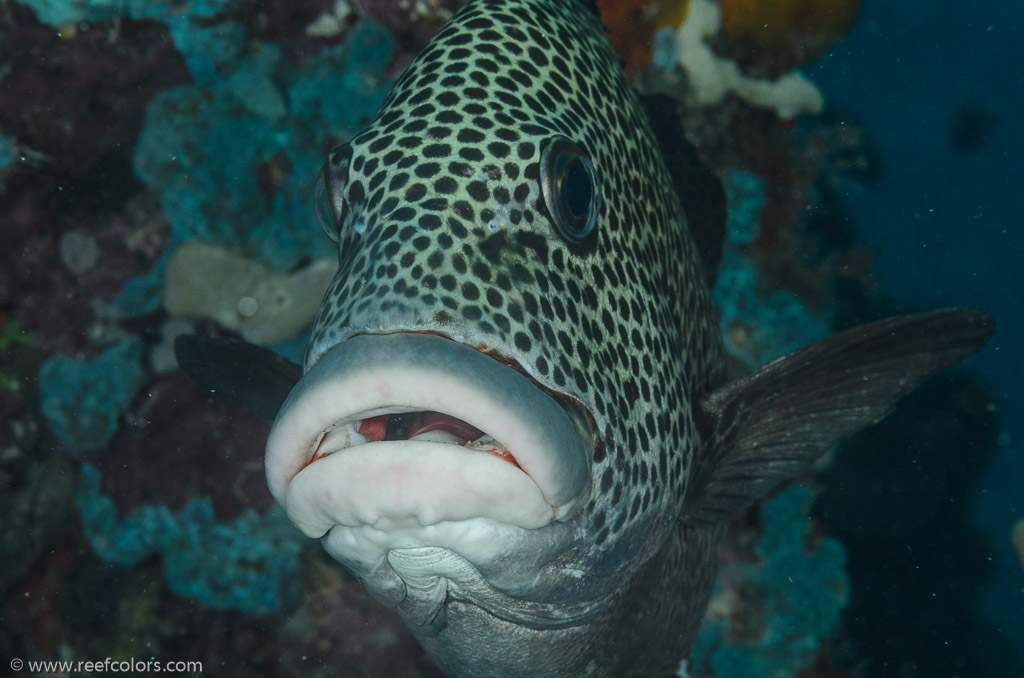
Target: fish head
495, 405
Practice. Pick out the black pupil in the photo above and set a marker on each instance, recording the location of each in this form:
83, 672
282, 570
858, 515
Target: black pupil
577, 188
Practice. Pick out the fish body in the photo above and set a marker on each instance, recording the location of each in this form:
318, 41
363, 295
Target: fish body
446, 210
513, 424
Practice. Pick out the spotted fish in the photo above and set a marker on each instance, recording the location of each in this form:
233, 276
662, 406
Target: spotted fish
513, 424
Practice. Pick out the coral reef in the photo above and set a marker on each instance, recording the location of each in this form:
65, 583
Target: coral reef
251, 564
35, 502
756, 329
412, 22
83, 400
232, 157
68, 13
207, 281
8, 153
80, 107
632, 25
748, 48
181, 443
712, 76
780, 35
128, 130
770, 612
342, 631
235, 156
72, 102
331, 22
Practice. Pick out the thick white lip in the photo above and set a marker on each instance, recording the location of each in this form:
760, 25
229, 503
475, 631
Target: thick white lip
419, 482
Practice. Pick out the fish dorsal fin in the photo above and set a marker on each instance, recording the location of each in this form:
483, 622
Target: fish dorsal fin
252, 376
768, 426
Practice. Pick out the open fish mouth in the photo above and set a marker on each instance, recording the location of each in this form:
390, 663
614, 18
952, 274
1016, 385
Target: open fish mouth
414, 429
412, 426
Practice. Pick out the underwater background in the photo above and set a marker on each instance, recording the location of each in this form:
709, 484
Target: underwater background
157, 162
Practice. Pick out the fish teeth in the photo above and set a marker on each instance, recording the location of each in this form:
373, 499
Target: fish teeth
487, 443
336, 438
484, 443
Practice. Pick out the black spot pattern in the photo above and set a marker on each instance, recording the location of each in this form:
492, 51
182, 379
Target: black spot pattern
460, 243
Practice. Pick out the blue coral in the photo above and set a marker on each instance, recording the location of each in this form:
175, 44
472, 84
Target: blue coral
8, 151
210, 51
250, 564
62, 13
756, 329
745, 195
663, 48
82, 400
791, 598
235, 155
339, 90
203, 150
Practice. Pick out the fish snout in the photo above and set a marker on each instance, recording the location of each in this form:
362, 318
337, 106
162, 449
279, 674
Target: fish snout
403, 436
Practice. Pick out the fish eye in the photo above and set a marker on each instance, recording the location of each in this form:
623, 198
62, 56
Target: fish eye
571, 190
329, 196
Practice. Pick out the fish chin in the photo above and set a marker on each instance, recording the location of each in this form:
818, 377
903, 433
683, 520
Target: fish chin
405, 441
499, 569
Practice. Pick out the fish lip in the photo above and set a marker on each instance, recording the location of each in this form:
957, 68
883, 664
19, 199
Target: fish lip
551, 437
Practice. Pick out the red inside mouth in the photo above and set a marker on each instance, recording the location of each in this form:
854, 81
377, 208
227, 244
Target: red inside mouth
406, 425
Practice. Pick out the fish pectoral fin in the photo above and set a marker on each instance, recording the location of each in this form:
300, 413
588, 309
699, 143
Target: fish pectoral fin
768, 426
252, 376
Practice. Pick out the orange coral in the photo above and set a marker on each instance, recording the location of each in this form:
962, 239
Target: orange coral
671, 14
792, 31
632, 24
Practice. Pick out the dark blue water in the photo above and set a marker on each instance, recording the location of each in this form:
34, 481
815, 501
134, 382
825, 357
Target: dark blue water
939, 89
